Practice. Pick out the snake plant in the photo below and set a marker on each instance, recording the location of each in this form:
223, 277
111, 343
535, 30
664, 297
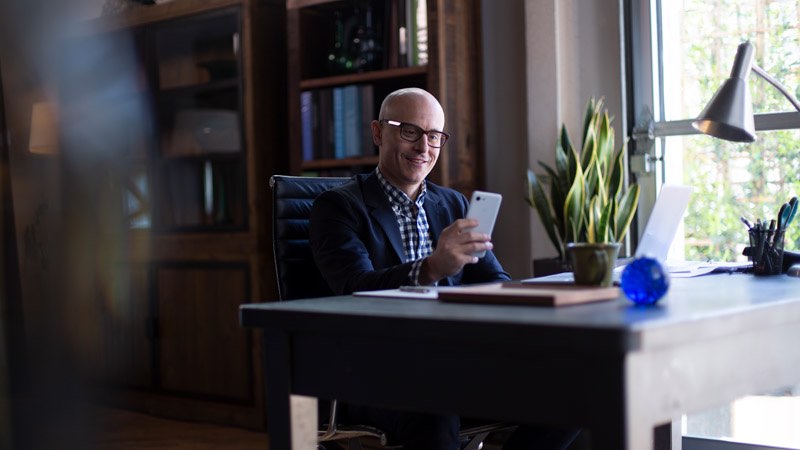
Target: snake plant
586, 200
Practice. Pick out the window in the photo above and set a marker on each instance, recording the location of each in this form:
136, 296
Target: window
681, 52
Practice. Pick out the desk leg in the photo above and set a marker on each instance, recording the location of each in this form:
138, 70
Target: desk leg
609, 433
603, 437
668, 436
304, 422
291, 419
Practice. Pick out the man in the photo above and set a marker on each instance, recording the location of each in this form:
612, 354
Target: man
391, 228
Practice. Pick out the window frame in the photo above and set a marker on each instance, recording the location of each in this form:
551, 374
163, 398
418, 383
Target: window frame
649, 132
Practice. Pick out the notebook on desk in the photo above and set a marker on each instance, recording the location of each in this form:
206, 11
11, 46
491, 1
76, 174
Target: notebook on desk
659, 232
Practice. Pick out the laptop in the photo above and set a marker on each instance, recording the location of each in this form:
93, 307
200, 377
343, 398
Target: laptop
659, 231
664, 222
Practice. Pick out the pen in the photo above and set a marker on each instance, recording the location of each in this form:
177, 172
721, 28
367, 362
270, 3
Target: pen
419, 289
746, 222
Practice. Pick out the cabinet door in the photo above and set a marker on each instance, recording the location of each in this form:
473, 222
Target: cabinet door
200, 162
128, 328
202, 349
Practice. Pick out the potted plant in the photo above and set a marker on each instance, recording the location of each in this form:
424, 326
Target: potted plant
586, 199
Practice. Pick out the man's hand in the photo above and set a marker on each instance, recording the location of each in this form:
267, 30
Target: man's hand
454, 251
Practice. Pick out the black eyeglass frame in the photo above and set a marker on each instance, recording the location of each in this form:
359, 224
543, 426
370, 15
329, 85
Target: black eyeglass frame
444, 137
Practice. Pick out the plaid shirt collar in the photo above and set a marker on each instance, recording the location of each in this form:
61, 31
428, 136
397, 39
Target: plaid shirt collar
398, 198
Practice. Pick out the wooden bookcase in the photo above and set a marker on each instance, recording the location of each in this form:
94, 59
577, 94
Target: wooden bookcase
173, 218
451, 73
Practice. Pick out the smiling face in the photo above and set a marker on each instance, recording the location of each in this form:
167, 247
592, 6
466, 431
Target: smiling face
406, 164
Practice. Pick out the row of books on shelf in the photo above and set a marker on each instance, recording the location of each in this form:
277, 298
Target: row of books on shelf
335, 122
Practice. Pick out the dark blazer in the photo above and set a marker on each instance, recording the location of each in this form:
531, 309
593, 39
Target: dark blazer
357, 244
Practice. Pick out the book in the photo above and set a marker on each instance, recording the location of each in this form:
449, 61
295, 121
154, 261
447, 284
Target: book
338, 123
324, 141
516, 293
352, 120
391, 35
367, 116
410, 31
307, 124
184, 195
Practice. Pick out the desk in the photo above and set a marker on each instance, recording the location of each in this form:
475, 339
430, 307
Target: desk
616, 369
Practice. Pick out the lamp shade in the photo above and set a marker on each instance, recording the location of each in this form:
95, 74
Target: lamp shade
44, 129
729, 114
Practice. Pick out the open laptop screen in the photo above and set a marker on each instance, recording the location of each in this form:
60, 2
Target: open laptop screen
664, 222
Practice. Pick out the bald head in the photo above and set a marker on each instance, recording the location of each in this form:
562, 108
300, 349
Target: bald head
410, 102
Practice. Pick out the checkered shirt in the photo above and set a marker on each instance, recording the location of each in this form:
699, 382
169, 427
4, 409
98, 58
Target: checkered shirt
413, 224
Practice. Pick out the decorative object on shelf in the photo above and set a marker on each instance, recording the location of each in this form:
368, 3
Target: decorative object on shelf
588, 200
218, 55
338, 61
593, 263
356, 43
203, 130
644, 281
220, 70
364, 44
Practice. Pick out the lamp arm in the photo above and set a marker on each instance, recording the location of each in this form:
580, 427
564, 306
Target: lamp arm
777, 84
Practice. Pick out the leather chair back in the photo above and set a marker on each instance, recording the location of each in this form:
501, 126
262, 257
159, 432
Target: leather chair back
292, 198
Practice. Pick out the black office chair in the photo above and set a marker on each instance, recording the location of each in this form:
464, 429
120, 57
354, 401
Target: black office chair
298, 277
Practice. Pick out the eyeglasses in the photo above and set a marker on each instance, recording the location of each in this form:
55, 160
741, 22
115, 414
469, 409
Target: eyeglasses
413, 133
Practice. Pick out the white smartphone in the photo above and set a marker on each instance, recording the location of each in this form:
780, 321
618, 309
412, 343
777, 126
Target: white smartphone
484, 207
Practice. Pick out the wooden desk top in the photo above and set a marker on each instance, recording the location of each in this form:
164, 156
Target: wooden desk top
693, 309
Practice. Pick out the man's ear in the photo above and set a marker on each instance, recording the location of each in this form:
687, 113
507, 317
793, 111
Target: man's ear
377, 131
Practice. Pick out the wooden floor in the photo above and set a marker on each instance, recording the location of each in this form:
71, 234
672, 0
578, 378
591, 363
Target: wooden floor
125, 430
115, 429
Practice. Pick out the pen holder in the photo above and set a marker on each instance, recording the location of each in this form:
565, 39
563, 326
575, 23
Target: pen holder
767, 251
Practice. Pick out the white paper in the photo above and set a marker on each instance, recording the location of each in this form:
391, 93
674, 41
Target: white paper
689, 269
426, 292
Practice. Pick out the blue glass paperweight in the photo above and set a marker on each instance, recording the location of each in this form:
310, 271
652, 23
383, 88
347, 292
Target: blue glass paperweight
644, 281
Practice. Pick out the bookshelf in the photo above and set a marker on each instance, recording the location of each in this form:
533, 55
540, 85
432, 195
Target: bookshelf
441, 54
174, 216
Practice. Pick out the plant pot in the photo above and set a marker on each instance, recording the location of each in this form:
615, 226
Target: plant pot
550, 266
593, 264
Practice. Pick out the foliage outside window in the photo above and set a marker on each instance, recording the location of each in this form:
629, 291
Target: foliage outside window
731, 180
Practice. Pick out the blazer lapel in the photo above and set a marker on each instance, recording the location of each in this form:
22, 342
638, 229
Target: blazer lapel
381, 211
437, 216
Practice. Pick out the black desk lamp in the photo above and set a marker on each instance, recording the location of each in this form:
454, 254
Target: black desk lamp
729, 116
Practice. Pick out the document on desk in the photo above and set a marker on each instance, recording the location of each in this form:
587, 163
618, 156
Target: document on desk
404, 292
689, 269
